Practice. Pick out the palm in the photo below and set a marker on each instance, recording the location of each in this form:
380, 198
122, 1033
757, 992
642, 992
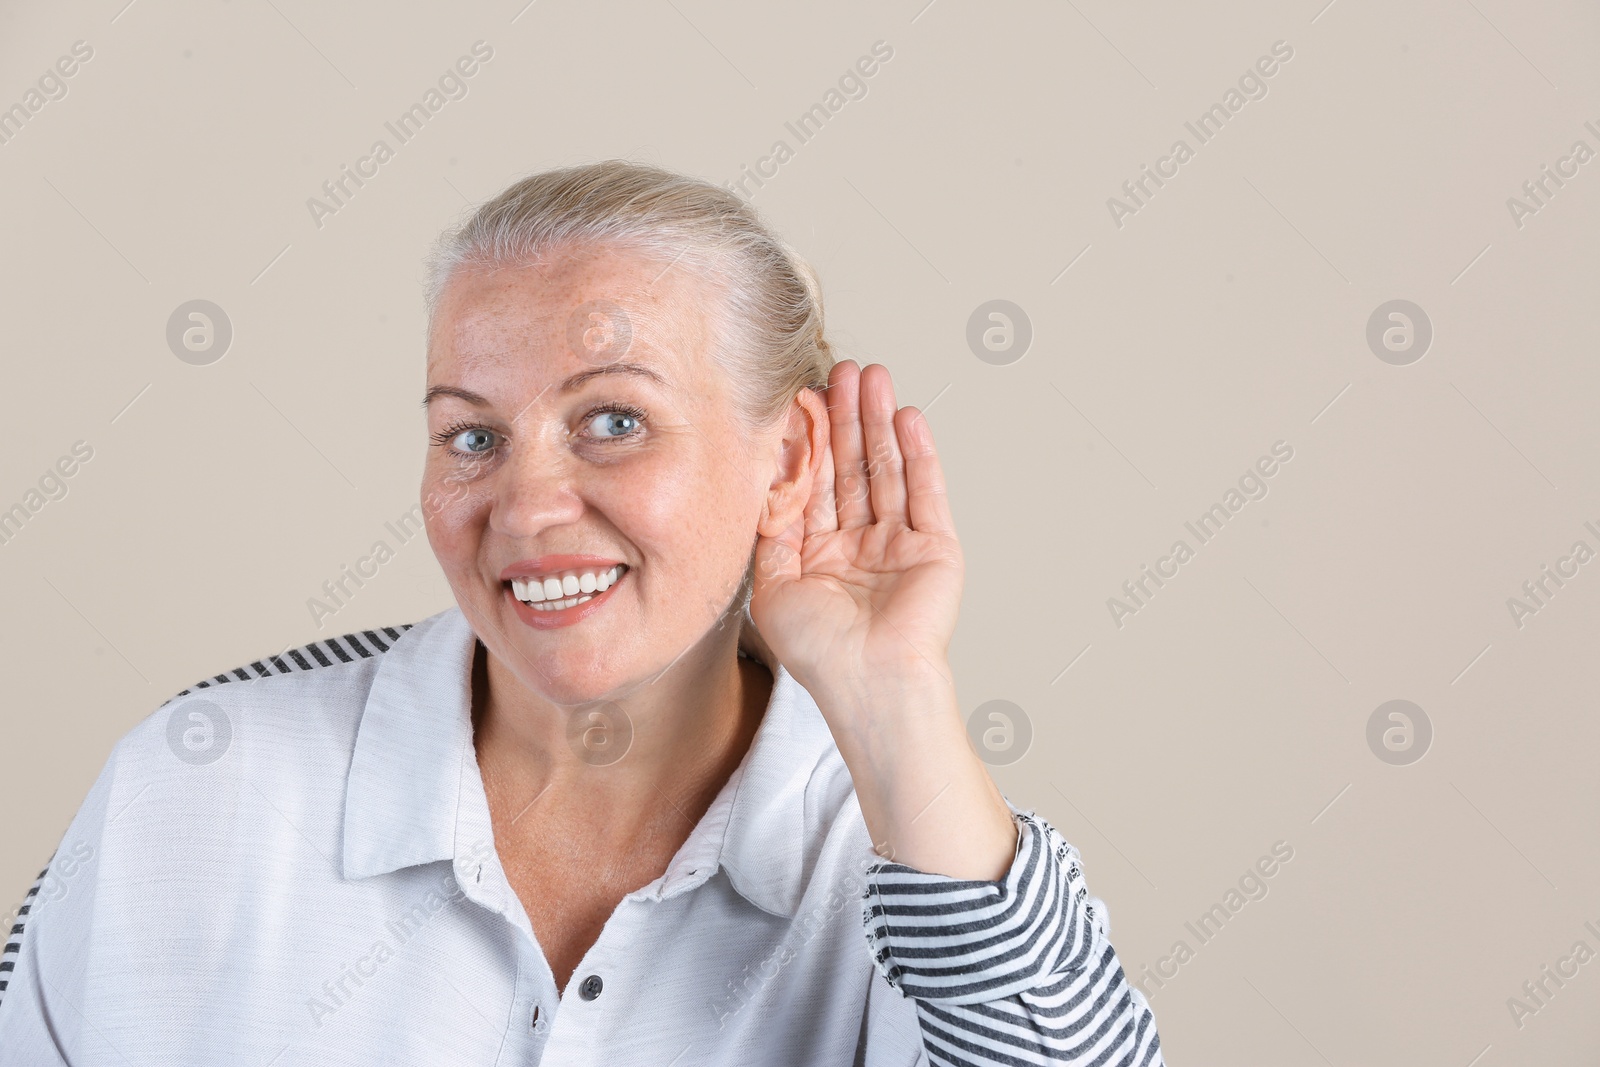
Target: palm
869, 579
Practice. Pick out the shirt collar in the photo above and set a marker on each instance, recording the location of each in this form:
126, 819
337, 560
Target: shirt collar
766, 831
412, 748
414, 768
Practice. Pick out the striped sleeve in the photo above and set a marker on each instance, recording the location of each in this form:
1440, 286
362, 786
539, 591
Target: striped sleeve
13, 949
27, 1034
1016, 971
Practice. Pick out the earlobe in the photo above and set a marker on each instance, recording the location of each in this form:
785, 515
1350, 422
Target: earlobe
775, 502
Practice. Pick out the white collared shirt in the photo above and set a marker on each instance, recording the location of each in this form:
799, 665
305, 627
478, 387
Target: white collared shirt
294, 863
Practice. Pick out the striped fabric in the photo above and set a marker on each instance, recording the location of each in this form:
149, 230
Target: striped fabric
1018, 971
8, 958
345, 648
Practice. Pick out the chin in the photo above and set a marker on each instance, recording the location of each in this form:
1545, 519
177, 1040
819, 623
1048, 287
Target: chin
568, 678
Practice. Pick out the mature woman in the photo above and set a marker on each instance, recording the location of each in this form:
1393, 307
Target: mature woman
681, 778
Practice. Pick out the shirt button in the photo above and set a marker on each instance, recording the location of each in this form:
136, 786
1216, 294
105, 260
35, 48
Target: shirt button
591, 987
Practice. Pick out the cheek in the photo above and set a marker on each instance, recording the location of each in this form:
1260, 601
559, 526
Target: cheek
701, 500
454, 513
695, 525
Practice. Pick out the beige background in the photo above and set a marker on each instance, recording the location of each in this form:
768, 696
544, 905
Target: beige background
1229, 313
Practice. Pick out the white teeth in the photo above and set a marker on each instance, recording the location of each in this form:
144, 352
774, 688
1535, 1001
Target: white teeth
557, 605
567, 590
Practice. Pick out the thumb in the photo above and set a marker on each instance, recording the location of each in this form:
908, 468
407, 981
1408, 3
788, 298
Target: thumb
778, 558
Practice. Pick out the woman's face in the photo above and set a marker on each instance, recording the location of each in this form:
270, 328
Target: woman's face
574, 411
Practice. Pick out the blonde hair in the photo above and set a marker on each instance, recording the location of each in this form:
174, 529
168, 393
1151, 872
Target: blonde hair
772, 300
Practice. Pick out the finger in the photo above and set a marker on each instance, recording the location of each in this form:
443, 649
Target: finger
928, 497
821, 516
886, 479
849, 451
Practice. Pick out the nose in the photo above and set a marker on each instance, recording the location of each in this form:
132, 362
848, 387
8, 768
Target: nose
536, 488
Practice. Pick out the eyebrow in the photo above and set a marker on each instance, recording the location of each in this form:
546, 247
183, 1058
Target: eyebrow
572, 383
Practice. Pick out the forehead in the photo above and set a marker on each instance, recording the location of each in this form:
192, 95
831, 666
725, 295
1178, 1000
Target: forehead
571, 311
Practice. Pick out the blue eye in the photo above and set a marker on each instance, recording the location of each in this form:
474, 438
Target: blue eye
466, 440
475, 440
615, 423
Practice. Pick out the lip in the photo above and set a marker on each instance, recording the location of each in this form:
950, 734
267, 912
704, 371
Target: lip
545, 565
542, 619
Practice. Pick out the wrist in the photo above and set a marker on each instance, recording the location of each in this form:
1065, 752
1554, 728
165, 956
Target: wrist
893, 719
924, 792
911, 687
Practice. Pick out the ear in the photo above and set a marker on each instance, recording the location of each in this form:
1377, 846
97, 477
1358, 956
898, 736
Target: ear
804, 443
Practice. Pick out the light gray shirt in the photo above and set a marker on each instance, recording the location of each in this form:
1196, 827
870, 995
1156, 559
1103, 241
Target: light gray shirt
293, 863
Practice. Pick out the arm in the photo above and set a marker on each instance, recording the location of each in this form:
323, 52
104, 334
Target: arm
1007, 958
28, 1026
1015, 970
981, 917
13, 941
45, 967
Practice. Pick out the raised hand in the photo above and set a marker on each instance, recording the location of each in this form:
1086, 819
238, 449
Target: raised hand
868, 581
858, 599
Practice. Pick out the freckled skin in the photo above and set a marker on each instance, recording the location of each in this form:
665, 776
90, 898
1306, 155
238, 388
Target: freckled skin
679, 504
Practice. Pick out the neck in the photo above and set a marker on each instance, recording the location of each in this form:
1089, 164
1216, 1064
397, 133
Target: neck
678, 738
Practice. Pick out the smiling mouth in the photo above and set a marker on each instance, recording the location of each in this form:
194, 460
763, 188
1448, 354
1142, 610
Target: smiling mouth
566, 589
